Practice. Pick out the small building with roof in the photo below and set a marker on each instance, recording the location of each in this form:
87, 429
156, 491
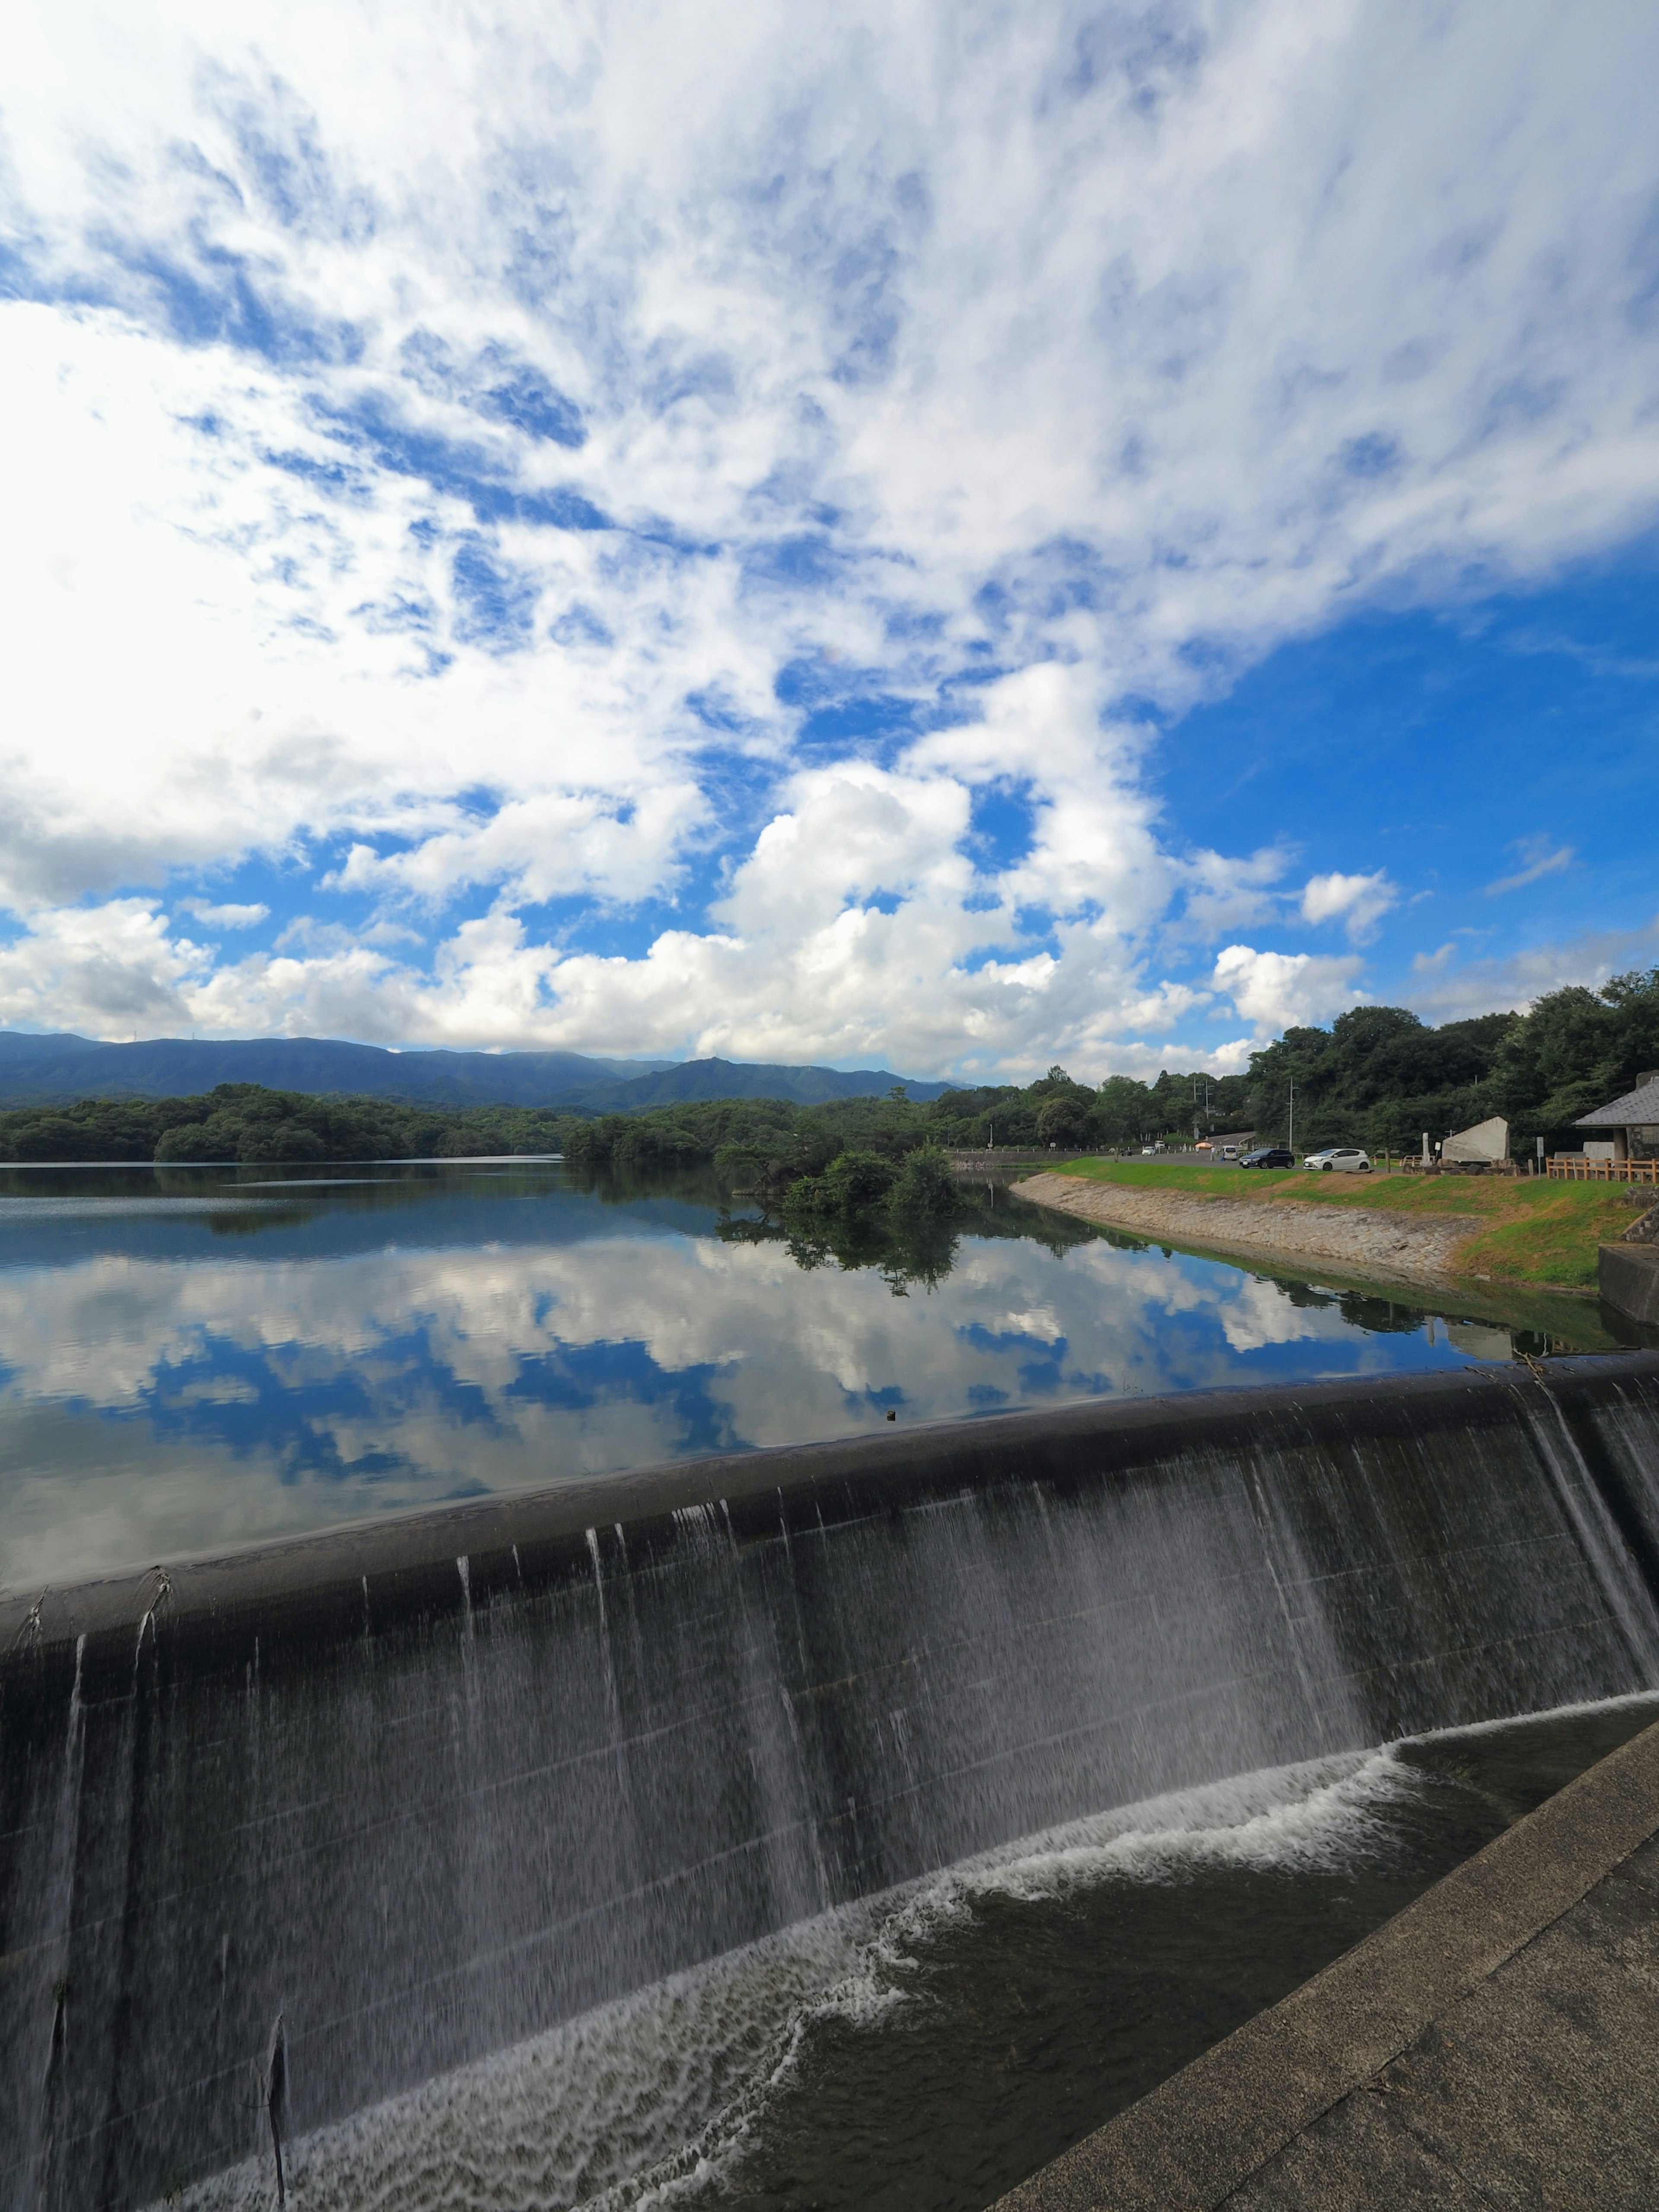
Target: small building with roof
1627, 1128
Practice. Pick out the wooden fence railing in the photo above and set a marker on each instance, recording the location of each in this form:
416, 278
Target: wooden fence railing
1563, 1168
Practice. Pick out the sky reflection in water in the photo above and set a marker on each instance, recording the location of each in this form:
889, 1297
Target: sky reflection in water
189, 1360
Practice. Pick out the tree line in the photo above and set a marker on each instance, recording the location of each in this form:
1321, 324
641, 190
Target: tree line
244, 1121
1378, 1076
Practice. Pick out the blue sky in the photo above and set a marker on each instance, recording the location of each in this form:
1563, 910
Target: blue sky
943, 536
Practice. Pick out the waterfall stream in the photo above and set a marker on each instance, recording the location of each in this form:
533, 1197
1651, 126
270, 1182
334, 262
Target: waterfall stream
445, 1813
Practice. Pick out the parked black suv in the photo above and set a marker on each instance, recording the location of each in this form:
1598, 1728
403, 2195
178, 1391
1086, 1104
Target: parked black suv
1269, 1156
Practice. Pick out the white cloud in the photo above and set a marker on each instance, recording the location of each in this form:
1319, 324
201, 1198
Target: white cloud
1359, 902
1495, 984
1539, 857
225, 917
1280, 990
1103, 349
112, 970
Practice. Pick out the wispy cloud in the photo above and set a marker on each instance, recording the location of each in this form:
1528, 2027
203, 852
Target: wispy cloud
225, 917
1485, 985
1539, 857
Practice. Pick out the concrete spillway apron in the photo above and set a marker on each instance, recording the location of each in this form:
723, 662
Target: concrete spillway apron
1496, 2043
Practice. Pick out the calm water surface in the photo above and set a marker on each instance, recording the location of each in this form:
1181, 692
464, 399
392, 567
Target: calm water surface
200, 1357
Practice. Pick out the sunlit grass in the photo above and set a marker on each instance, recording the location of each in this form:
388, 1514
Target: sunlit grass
1541, 1232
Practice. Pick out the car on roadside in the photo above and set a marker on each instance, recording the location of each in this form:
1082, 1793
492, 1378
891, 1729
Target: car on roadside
1269, 1156
1342, 1159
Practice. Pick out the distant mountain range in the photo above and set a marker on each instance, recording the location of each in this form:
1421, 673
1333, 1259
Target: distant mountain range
39, 1070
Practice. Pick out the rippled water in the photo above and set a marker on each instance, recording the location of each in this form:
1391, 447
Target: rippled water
196, 1357
925, 2050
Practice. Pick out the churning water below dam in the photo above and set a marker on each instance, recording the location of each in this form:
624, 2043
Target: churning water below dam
850, 1824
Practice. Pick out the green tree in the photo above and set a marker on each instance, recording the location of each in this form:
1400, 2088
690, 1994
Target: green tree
1066, 1119
925, 1190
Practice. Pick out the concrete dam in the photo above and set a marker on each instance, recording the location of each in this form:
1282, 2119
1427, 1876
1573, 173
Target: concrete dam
288, 1837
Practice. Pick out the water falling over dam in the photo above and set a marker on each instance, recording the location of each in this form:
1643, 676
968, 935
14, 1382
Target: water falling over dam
421, 1791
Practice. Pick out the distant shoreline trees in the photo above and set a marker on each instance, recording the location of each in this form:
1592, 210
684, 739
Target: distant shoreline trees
1379, 1076
243, 1122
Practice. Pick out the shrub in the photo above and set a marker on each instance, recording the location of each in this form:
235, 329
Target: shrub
925, 1189
858, 1179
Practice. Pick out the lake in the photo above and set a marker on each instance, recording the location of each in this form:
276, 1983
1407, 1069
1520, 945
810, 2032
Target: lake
857, 1845
193, 1358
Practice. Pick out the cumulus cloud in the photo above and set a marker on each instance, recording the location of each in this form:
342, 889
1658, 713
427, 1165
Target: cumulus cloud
710, 459
113, 969
1277, 991
1359, 902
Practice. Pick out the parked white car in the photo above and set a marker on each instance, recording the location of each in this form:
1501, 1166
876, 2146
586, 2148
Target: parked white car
1346, 1159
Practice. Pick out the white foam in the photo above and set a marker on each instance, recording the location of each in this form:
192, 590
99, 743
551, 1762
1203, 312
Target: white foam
643, 2102
651, 2101
1630, 1700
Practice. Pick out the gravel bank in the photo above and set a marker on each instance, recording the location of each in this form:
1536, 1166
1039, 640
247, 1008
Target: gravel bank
1391, 1247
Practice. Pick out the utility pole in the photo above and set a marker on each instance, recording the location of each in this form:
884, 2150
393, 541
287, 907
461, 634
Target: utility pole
1208, 1117
1291, 1142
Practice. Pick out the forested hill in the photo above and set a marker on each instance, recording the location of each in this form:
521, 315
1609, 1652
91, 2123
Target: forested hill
244, 1121
1378, 1077
54, 1070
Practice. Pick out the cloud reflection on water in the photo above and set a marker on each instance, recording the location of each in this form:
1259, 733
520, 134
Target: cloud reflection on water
173, 1392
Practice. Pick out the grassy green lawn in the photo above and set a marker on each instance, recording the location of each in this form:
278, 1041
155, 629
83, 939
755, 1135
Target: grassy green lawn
1539, 1232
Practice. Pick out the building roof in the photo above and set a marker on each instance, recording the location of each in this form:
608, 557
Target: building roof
1641, 1104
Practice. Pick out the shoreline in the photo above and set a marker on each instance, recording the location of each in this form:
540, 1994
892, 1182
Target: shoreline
1412, 1250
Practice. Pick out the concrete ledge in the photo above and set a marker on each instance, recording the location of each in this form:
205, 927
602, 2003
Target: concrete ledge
1201, 2136
1627, 1276
318, 1584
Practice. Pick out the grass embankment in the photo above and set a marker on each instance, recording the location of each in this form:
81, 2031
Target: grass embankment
1541, 1232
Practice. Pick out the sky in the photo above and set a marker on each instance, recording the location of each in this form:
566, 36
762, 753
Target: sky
950, 537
